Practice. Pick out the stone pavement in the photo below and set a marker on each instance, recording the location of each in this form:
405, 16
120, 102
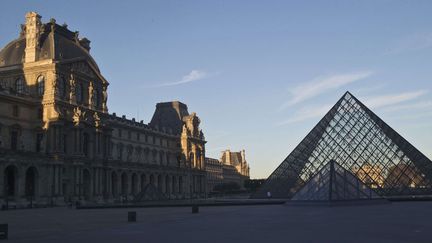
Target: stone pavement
396, 222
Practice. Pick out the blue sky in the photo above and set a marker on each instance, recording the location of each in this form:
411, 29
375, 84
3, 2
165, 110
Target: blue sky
260, 74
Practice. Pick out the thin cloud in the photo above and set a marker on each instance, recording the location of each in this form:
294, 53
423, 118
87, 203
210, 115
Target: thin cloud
194, 75
322, 85
389, 101
414, 42
306, 114
415, 106
393, 99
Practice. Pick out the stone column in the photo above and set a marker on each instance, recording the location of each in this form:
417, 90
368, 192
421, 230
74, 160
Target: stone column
74, 181
60, 181
108, 182
2, 178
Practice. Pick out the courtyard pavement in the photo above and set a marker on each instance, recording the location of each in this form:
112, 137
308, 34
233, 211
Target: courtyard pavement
396, 222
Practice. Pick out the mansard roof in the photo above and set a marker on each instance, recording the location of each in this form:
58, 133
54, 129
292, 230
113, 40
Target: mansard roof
56, 43
170, 115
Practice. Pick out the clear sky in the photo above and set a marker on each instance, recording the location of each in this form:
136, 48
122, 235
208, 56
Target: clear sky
260, 74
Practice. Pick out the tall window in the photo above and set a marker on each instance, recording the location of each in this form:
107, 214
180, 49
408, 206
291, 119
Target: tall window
15, 111
62, 87
86, 144
14, 140
39, 138
19, 86
79, 92
41, 85
96, 98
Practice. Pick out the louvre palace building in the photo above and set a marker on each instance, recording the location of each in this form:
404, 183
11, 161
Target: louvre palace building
59, 144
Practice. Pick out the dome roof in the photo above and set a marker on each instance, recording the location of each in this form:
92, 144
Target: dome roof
56, 42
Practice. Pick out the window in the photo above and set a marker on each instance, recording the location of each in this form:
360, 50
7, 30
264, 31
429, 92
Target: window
138, 136
86, 144
40, 114
15, 111
39, 137
96, 98
41, 85
120, 133
129, 134
79, 92
64, 143
14, 140
19, 86
62, 87
120, 151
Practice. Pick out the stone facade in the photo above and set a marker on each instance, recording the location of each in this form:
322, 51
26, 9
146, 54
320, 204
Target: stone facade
58, 143
232, 167
214, 170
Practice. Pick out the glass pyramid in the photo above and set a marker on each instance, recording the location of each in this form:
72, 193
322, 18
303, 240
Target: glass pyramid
334, 183
361, 143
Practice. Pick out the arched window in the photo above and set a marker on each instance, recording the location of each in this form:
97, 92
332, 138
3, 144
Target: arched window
79, 93
41, 85
19, 86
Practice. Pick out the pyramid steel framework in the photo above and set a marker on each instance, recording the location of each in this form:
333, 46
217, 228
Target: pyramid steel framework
360, 142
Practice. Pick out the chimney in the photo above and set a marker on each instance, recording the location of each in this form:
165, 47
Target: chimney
85, 43
32, 33
228, 157
243, 156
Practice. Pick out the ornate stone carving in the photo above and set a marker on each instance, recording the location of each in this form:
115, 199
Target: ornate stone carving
97, 120
54, 83
78, 116
104, 98
91, 94
72, 86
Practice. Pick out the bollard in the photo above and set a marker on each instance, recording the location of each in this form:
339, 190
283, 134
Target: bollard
131, 216
195, 208
3, 231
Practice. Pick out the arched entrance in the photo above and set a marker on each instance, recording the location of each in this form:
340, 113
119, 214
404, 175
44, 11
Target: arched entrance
11, 181
167, 184
134, 184
151, 179
31, 184
114, 184
159, 182
86, 184
124, 185
143, 181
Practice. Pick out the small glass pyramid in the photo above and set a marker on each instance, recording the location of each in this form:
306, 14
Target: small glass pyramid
359, 142
334, 183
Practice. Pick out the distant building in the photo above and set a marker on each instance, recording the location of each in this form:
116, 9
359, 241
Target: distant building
236, 159
214, 169
232, 167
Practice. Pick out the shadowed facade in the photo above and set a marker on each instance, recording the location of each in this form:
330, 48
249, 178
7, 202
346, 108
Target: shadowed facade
58, 143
